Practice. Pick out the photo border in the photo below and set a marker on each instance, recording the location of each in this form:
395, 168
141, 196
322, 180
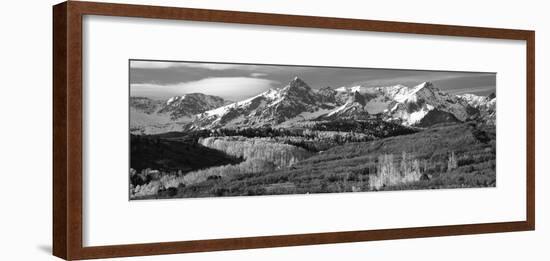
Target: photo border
67, 129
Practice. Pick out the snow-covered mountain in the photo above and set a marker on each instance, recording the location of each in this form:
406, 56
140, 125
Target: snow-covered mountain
410, 105
424, 104
297, 104
353, 108
295, 101
190, 104
486, 106
474, 100
157, 116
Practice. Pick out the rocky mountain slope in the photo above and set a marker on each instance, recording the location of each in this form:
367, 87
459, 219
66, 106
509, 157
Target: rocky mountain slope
295, 101
297, 104
156, 116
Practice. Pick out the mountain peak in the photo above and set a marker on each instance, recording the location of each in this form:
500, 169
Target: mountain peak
423, 89
192, 96
190, 104
424, 85
297, 88
297, 83
174, 99
357, 97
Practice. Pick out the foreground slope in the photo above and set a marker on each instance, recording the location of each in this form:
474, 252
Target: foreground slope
446, 156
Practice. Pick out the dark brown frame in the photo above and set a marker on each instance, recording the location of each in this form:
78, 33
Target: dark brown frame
67, 129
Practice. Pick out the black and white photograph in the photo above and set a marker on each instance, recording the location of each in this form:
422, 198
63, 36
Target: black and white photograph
205, 129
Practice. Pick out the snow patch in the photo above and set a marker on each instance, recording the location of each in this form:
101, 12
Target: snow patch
341, 89
224, 109
175, 98
417, 116
305, 116
341, 108
474, 100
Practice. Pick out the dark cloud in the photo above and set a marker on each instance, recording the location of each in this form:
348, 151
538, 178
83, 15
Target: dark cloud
176, 78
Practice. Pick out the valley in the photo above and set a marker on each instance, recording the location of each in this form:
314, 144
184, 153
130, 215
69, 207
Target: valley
301, 140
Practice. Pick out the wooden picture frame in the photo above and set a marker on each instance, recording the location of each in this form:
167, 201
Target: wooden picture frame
68, 118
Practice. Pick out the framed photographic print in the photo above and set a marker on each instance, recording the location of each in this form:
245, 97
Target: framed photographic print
186, 130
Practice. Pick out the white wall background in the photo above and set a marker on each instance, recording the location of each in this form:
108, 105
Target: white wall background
25, 133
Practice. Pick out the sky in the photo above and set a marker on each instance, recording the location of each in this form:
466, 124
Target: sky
234, 82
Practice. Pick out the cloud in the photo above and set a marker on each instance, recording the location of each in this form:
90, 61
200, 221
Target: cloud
151, 64
474, 90
409, 79
209, 66
258, 74
216, 66
232, 88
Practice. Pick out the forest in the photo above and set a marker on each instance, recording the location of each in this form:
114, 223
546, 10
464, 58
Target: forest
330, 157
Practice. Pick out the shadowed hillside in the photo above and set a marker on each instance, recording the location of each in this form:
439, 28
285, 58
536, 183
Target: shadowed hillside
445, 156
167, 155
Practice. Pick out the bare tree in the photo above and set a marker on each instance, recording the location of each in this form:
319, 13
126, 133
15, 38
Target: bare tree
452, 163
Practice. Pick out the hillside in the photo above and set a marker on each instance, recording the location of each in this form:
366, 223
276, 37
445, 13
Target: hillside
173, 155
444, 156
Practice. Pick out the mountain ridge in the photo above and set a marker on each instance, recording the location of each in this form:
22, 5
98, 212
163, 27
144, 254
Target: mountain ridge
296, 104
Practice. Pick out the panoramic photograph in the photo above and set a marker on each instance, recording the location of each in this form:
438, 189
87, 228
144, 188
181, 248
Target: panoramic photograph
204, 129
